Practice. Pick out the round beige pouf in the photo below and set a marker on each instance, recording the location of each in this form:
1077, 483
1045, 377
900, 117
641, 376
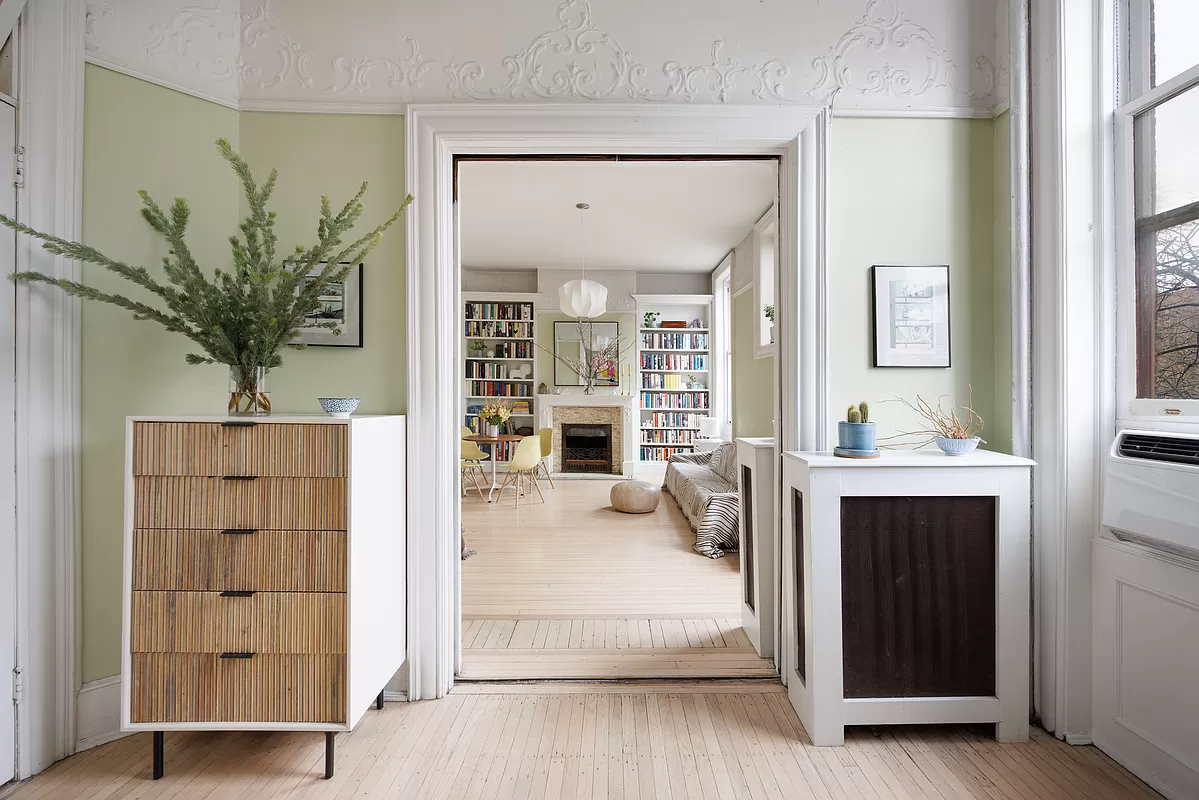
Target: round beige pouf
636, 497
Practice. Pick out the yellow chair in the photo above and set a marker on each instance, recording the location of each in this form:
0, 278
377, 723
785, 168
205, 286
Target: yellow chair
522, 469
473, 457
547, 450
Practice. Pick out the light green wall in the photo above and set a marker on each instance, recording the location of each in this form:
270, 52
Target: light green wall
753, 378
999, 428
913, 192
137, 136
545, 358
332, 154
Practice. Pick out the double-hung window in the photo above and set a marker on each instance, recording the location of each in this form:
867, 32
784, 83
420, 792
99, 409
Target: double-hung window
1157, 149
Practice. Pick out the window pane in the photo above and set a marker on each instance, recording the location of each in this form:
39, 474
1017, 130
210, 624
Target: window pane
1167, 155
1169, 326
1173, 43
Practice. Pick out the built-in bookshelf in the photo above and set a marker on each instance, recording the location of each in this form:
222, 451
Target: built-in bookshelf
673, 373
499, 361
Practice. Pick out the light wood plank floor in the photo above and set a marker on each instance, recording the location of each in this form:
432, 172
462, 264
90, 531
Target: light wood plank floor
615, 741
573, 589
574, 557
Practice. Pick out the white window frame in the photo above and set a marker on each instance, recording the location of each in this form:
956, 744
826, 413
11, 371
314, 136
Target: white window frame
768, 224
1132, 410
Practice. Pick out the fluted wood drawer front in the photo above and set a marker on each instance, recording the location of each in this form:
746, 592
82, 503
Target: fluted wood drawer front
262, 622
262, 560
210, 448
303, 504
204, 687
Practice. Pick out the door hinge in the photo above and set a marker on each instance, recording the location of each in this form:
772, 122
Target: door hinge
18, 686
19, 166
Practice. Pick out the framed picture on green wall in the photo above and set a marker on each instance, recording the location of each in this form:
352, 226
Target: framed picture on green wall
341, 303
911, 316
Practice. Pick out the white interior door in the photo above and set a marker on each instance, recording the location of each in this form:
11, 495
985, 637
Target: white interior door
8, 508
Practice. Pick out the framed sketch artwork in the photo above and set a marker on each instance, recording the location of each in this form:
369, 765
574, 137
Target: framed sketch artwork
911, 316
341, 302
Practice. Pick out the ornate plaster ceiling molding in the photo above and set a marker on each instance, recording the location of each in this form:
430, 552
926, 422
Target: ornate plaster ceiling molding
382, 54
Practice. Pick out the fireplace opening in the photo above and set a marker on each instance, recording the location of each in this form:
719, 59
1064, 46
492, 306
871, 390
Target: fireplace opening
587, 448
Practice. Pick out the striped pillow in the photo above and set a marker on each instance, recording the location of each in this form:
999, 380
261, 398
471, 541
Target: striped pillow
724, 462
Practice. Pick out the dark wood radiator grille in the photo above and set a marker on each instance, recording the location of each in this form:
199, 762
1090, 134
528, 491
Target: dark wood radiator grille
918, 596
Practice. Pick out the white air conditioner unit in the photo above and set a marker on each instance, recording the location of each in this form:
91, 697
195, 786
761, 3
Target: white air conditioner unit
1152, 493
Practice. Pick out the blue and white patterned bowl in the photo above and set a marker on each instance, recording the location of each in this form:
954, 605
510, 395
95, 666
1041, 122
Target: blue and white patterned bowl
339, 406
957, 447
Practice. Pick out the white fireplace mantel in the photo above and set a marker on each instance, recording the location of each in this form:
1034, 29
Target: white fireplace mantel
627, 403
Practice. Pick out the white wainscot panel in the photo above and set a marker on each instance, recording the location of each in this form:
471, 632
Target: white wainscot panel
1158, 655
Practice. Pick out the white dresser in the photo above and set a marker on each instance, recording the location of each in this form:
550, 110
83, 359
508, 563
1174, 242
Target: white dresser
264, 573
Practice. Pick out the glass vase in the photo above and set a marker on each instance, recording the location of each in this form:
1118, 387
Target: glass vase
249, 392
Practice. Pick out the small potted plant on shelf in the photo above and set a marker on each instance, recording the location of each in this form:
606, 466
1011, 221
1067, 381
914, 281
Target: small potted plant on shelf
768, 310
855, 436
495, 413
693, 382
954, 429
477, 347
650, 319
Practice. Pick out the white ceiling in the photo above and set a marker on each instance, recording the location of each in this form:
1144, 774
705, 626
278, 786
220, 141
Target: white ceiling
657, 216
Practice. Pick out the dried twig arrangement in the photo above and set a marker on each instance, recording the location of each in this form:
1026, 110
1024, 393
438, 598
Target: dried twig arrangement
952, 422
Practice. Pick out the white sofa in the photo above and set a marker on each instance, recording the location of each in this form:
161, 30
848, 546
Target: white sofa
705, 487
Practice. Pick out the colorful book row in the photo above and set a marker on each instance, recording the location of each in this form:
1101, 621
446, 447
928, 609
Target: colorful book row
670, 419
658, 380
673, 361
674, 341
503, 350
499, 330
498, 389
667, 437
680, 400
662, 453
497, 371
499, 311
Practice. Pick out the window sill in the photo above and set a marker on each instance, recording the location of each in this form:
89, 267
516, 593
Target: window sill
765, 351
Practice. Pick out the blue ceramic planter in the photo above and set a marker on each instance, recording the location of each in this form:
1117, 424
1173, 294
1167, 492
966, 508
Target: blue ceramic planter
856, 436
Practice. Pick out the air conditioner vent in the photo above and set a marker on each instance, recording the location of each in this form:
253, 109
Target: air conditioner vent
1149, 447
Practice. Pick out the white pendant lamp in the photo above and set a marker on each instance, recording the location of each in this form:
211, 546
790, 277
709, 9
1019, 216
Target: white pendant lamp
583, 299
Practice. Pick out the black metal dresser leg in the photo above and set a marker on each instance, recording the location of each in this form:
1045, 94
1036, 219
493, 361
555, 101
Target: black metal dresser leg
158, 753
379, 701
329, 754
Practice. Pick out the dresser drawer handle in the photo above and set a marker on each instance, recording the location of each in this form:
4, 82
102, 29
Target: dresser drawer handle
239, 477
237, 593
238, 423
238, 531
237, 655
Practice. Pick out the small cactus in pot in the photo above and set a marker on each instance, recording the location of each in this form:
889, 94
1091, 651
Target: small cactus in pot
856, 435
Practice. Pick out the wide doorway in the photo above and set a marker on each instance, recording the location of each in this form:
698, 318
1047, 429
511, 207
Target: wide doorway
599, 483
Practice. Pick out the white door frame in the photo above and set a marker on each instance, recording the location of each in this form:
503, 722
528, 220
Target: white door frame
438, 133
50, 128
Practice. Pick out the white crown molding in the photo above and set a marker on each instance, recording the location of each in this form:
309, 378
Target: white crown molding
158, 80
309, 56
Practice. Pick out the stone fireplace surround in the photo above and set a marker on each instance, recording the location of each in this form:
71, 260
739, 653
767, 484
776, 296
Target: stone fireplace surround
613, 409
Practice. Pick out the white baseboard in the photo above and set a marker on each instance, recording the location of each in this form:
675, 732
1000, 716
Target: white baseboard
1080, 738
98, 713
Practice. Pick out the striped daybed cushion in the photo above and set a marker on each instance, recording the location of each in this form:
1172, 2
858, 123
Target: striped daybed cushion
705, 487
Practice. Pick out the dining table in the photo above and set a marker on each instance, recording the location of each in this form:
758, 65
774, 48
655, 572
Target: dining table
485, 438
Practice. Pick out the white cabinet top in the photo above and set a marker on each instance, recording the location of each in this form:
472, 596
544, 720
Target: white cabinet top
908, 458
756, 441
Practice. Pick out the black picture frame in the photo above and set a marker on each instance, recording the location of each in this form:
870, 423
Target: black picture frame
910, 317
351, 300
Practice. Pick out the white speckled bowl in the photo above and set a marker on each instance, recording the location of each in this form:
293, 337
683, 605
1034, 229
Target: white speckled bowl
340, 407
957, 447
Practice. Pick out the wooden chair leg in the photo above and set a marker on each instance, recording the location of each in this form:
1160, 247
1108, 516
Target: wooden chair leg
477, 473
543, 469
536, 485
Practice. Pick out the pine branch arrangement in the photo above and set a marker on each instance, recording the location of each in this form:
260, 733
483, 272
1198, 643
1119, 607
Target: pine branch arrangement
245, 316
